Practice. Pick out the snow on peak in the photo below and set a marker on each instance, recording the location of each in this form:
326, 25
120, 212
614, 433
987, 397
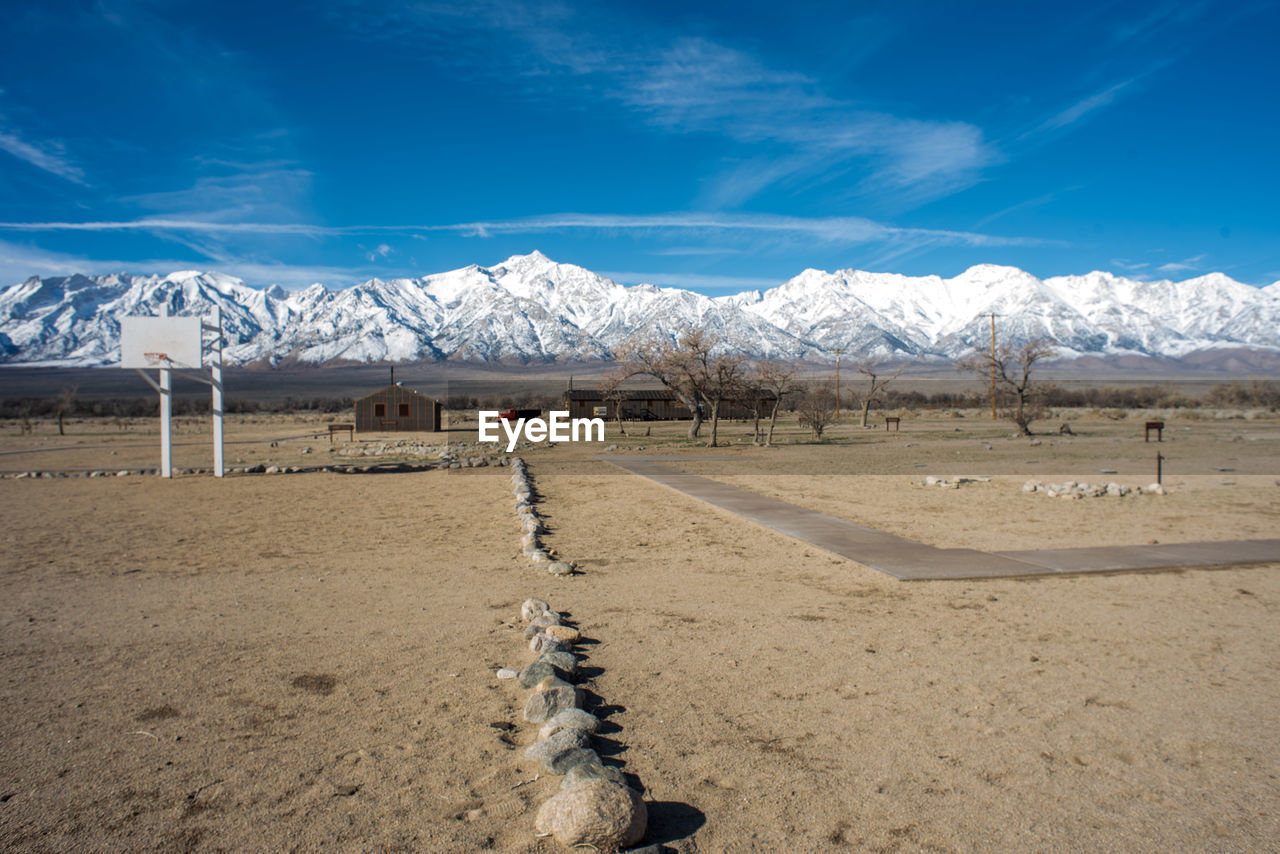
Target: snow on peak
531, 308
184, 275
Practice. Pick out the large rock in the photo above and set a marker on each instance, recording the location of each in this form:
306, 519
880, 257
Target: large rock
570, 719
546, 643
533, 608
564, 661
539, 670
543, 705
601, 814
540, 622
550, 682
564, 633
563, 762
585, 772
559, 742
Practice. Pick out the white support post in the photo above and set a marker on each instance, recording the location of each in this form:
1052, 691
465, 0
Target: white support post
215, 372
166, 413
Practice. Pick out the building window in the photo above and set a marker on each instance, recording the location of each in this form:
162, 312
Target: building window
379, 410
404, 410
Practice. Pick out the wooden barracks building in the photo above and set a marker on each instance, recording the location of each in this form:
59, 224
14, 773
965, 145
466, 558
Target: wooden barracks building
646, 404
396, 409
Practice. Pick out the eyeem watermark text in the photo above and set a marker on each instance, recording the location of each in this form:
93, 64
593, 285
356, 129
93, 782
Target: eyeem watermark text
558, 428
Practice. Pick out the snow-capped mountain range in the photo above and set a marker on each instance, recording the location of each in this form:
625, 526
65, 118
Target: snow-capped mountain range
531, 309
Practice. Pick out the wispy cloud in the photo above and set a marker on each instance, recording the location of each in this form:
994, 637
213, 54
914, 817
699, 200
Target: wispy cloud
1083, 107
263, 195
837, 230
18, 262
382, 250
1025, 205
1157, 21
687, 84
696, 250
189, 225
1183, 266
828, 230
1127, 264
47, 156
699, 85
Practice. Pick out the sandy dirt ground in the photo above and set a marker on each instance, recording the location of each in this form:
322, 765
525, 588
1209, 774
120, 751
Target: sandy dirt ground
307, 661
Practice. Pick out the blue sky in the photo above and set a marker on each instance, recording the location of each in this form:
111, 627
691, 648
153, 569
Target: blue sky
714, 146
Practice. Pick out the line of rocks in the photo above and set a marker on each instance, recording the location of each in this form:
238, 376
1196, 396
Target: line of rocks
1076, 490
594, 806
952, 483
263, 468
530, 524
23, 475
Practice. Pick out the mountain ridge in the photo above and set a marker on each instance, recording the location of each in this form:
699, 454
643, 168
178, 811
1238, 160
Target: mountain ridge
530, 309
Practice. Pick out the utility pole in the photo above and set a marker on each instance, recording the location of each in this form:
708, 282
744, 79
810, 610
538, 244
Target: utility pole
993, 366
837, 383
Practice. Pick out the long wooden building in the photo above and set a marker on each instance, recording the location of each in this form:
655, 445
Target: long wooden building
647, 404
397, 409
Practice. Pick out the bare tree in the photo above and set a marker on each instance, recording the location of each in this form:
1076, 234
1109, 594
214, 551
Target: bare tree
656, 358
66, 403
818, 409
778, 381
689, 368
1012, 368
614, 394
724, 377
752, 397
876, 383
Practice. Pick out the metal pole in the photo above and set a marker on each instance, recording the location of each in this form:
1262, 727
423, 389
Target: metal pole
993, 366
215, 373
1159, 469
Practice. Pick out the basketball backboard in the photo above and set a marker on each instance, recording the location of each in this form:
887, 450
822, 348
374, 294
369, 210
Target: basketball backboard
160, 342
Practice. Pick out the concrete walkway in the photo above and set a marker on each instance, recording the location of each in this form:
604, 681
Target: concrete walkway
911, 561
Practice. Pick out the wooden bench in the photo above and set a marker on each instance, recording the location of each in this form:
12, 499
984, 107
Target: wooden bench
894, 420
338, 428
1158, 426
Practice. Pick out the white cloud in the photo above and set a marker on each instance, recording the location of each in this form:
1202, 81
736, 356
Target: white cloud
1083, 107
18, 263
698, 85
1183, 266
835, 230
161, 224
47, 156
695, 84
260, 195
697, 250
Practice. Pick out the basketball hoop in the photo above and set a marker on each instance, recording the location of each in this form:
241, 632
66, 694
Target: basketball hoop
175, 345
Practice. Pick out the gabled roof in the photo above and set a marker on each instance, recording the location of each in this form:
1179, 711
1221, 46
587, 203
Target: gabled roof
398, 389
629, 394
